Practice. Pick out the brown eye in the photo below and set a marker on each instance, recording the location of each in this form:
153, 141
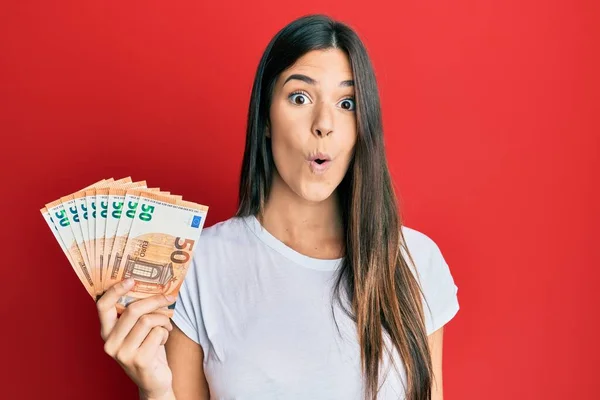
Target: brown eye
348, 104
298, 98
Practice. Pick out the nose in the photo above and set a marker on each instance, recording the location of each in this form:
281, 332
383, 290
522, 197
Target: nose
323, 120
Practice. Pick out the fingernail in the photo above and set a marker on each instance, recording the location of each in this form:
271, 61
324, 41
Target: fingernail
129, 282
171, 298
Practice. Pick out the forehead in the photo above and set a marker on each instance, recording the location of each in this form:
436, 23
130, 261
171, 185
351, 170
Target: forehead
330, 64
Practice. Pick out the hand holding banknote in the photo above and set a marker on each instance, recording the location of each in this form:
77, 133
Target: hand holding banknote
137, 339
130, 247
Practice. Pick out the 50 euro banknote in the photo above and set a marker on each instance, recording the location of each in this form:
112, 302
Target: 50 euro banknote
160, 246
121, 222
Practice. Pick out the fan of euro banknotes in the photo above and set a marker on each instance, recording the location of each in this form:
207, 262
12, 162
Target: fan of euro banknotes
119, 229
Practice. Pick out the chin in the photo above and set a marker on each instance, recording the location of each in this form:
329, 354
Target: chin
316, 192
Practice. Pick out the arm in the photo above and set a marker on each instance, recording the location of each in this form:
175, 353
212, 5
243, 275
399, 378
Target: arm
435, 345
185, 358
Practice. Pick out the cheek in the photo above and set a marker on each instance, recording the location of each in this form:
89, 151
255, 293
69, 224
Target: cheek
288, 154
286, 145
288, 138
348, 141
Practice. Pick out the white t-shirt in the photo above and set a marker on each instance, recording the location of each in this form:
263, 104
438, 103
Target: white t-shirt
262, 313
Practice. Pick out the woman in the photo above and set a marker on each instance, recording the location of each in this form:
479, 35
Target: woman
314, 290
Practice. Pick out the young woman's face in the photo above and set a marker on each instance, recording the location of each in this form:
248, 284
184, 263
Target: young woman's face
313, 123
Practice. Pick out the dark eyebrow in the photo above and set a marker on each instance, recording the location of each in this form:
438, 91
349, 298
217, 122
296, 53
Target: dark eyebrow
300, 77
311, 81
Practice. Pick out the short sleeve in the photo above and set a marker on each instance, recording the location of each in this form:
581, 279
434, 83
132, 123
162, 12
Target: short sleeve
187, 314
439, 290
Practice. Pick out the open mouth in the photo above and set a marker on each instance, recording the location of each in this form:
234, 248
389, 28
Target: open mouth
319, 162
319, 165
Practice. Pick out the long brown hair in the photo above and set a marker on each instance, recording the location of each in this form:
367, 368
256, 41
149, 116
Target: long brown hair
385, 297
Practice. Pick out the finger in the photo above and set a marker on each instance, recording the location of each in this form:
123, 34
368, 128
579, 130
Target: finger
132, 314
142, 328
165, 337
107, 311
166, 311
147, 351
124, 349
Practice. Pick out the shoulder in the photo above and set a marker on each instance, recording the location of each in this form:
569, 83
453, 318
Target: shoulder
424, 251
440, 291
229, 229
212, 274
222, 248
223, 236
418, 239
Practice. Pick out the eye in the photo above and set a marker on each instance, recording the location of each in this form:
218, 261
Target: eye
299, 98
348, 104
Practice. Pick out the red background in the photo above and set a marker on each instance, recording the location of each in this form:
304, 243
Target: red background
492, 132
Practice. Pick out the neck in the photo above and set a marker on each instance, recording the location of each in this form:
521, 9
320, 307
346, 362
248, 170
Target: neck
312, 228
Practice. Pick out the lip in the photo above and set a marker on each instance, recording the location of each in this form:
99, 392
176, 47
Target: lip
315, 167
319, 169
319, 156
